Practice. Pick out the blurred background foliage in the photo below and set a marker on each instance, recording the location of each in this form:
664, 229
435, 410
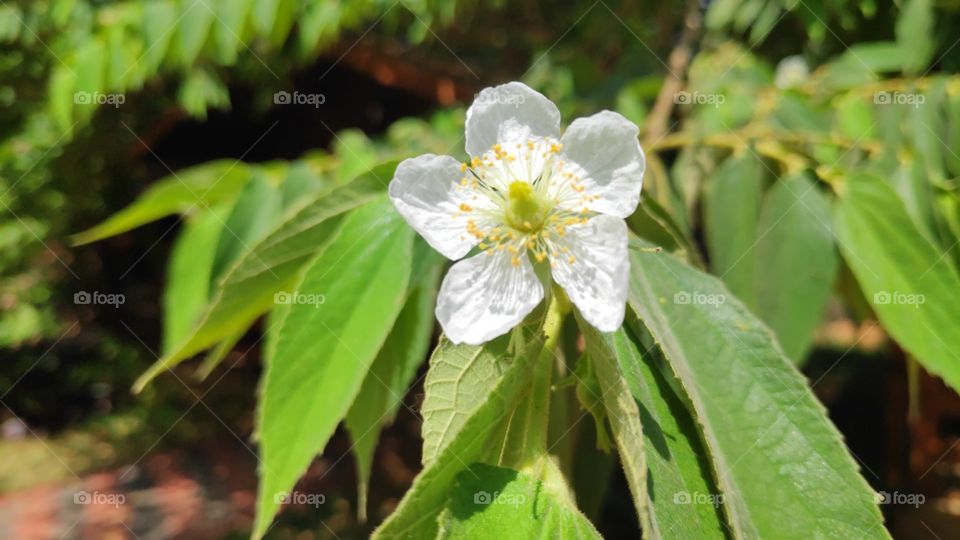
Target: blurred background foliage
755, 114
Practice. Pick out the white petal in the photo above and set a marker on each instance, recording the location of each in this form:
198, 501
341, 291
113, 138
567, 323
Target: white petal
510, 112
606, 146
596, 280
425, 191
485, 296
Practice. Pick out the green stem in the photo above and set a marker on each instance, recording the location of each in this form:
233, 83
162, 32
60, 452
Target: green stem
526, 437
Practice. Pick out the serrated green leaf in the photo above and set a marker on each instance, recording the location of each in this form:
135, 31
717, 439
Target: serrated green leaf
389, 378
480, 439
777, 457
683, 500
459, 380
496, 502
191, 189
624, 418
248, 288
324, 351
913, 287
796, 263
731, 211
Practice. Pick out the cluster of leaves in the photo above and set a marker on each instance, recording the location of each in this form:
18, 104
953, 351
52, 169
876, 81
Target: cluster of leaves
63, 60
717, 431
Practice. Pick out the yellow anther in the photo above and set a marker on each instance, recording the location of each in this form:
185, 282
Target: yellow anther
572, 259
482, 245
515, 261
540, 256
463, 167
512, 248
465, 207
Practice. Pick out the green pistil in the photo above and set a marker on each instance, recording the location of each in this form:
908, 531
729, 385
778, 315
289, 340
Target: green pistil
526, 210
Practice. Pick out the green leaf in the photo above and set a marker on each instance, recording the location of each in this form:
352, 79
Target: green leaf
201, 91
480, 439
624, 417
248, 288
683, 499
731, 210
61, 97
355, 151
777, 457
229, 30
254, 213
191, 189
195, 20
188, 276
90, 67
389, 378
324, 351
495, 502
796, 263
299, 184
912, 286
216, 355
914, 32
159, 18
264, 14
458, 383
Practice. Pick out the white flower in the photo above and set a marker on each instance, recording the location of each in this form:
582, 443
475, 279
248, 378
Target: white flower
527, 196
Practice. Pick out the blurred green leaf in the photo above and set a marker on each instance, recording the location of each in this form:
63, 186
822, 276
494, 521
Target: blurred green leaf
796, 263
915, 35
913, 287
255, 212
191, 189
731, 210
188, 276
248, 289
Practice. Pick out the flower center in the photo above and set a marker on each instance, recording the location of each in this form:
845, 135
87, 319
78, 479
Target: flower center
526, 209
